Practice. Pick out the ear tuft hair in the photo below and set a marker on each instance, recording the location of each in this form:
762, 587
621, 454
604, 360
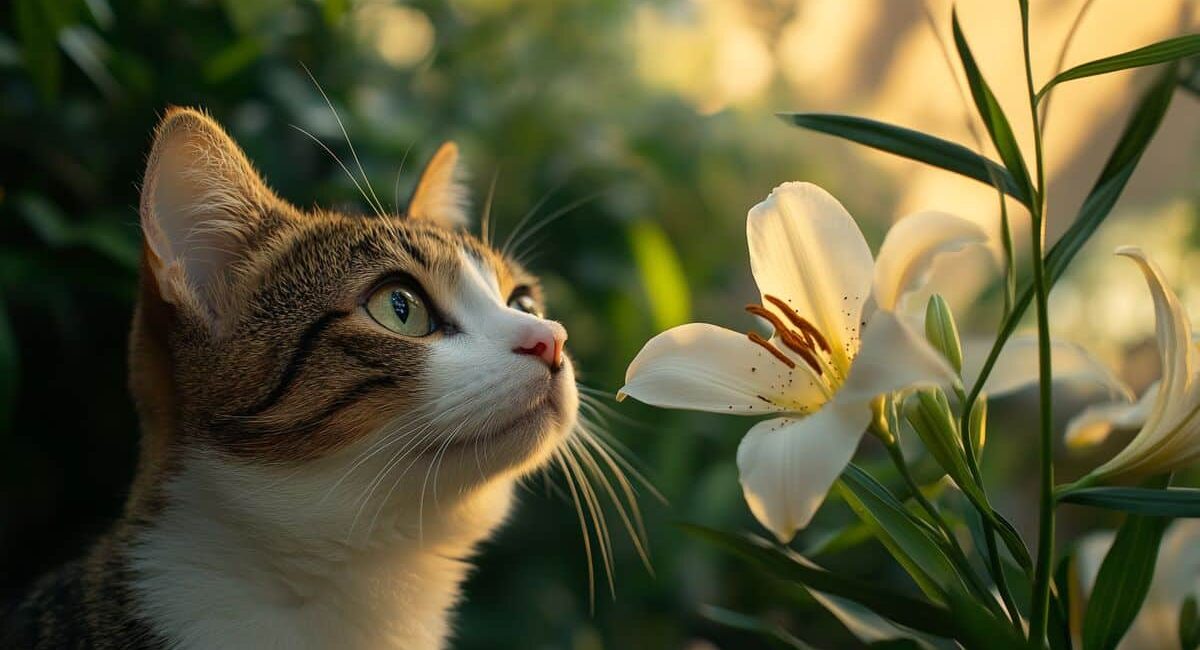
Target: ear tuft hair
441, 195
202, 201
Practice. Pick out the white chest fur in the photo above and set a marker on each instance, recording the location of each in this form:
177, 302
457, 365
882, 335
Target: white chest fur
240, 559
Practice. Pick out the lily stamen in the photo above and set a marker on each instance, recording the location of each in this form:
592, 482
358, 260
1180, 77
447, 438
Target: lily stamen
794, 341
810, 331
766, 345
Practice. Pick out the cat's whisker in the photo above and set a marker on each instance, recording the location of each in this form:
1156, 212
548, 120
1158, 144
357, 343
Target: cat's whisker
485, 222
599, 521
527, 216
396, 184
583, 530
634, 523
554, 216
340, 164
425, 482
374, 200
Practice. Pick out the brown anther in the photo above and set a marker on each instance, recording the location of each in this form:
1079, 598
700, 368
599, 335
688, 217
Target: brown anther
766, 345
795, 344
810, 330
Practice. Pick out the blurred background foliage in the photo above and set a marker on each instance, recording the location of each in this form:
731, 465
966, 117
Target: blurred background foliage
651, 120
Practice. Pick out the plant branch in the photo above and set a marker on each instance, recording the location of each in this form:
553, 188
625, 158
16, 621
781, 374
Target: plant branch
1043, 570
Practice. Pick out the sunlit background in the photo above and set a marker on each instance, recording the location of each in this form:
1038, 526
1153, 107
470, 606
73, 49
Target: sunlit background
656, 121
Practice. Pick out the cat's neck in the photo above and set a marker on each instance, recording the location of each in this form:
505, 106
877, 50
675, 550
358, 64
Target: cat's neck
222, 566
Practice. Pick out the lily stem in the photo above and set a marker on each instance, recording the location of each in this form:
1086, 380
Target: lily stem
1039, 615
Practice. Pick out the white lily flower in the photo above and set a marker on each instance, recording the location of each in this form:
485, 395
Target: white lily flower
837, 345
1176, 576
1169, 413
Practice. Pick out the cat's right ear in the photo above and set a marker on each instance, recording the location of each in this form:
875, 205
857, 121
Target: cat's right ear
201, 203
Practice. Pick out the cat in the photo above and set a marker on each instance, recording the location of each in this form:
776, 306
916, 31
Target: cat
334, 408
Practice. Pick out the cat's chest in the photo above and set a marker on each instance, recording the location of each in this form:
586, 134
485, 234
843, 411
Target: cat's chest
234, 600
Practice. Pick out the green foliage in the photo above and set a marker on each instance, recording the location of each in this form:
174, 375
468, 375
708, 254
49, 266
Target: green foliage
785, 565
911, 144
1172, 502
1134, 139
1123, 582
1161, 52
993, 117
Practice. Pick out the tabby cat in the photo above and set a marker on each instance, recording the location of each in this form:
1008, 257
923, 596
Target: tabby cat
334, 408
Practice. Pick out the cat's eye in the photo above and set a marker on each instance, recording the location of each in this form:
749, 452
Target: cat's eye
522, 301
400, 308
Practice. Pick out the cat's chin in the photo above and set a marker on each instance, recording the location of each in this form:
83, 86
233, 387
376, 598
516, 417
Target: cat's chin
520, 442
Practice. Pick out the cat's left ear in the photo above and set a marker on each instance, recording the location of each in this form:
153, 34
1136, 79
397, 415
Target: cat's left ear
440, 196
202, 203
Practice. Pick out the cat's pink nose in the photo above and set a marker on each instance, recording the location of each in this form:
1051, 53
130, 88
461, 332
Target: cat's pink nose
543, 339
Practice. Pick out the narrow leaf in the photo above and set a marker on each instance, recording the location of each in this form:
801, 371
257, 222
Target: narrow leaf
913, 145
1142, 126
786, 565
1161, 52
990, 112
907, 538
1123, 582
1173, 502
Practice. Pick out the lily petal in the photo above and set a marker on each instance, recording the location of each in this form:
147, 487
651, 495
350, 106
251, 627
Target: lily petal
708, 368
806, 250
787, 465
910, 249
893, 356
1017, 367
1156, 443
1093, 424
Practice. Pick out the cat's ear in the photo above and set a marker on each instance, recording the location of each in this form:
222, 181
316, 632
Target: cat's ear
202, 202
440, 196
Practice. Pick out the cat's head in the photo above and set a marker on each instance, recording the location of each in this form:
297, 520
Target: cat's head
348, 352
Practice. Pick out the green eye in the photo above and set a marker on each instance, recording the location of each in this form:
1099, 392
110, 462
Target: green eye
525, 302
399, 308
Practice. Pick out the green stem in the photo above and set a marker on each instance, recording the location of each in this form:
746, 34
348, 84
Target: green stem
995, 566
1043, 569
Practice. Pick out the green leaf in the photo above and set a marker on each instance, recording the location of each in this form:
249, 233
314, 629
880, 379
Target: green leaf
1136, 136
910, 540
1123, 581
1140, 129
774, 633
1161, 52
1189, 624
787, 565
979, 629
990, 112
662, 275
1172, 502
913, 145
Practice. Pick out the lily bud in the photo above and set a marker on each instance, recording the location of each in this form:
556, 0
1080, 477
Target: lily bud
942, 332
928, 412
